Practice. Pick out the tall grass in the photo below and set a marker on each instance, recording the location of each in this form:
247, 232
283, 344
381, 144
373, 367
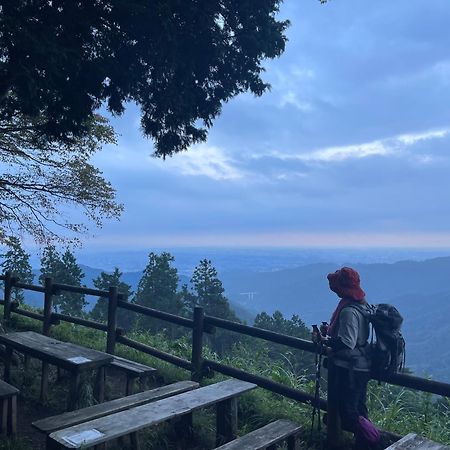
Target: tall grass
392, 408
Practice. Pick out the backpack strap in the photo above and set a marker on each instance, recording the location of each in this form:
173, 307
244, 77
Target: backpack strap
366, 310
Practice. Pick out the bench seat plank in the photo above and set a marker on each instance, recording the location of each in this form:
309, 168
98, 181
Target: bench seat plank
263, 437
412, 441
131, 367
54, 423
135, 419
61, 354
6, 390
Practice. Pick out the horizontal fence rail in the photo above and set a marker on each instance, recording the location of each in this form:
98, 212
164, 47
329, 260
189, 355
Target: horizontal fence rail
266, 383
78, 321
267, 335
156, 314
180, 362
200, 324
80, 290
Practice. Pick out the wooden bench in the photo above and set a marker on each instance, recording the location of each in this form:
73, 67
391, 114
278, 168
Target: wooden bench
8, 408
69, 419
413, 441
267, 437
133, 370
71, 357
104, 429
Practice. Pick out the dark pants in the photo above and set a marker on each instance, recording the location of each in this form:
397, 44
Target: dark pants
352, 389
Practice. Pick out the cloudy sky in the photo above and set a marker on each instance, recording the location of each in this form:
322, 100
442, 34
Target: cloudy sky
350, 148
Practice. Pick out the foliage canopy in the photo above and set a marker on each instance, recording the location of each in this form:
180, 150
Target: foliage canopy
179, 61
43, 178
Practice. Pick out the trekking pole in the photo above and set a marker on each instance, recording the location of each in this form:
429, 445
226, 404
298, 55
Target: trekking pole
316, 405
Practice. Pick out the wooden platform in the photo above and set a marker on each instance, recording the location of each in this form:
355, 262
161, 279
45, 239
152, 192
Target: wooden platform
413, 441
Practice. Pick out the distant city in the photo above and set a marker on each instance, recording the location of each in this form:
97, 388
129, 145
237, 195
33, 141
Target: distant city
249, 259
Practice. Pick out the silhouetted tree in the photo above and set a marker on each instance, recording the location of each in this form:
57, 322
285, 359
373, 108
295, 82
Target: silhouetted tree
103, 282
208, 292
17, 261
64, 269
158, 289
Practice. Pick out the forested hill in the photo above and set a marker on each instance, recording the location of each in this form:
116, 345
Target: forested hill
420, 290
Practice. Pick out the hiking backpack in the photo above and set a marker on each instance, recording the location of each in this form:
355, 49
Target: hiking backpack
387, 353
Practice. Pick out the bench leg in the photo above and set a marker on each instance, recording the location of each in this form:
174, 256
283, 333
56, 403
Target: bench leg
44, 382
4, 407
130, 385
293, 443
226, 421
183, 428
74, 390
100, 385
13, 415
100, 446
135, 443
26, 362
8, 357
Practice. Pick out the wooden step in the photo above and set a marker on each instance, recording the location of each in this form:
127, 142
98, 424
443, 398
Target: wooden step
6, 390
262, 438
110, 427
68, 419
412, 441
132, 368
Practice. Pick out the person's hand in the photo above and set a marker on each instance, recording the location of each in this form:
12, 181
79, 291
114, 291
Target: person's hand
317, 338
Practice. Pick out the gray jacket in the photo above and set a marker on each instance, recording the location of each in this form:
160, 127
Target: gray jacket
353, 331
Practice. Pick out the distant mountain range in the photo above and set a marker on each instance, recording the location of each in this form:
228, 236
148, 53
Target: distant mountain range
420, 290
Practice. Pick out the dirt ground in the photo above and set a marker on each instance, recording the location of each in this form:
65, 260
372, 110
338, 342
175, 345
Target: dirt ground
31, 409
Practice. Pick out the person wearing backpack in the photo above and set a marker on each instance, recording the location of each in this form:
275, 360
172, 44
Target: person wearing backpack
347, 348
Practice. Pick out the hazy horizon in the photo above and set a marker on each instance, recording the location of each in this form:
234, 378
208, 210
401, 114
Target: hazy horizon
250, 258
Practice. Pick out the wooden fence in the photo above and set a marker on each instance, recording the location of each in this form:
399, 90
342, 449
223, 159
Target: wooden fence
199, 324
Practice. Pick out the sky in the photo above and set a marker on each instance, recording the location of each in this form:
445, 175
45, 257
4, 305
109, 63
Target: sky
350, 148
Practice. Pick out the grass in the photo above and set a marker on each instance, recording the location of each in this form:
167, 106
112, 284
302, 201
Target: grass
392, 408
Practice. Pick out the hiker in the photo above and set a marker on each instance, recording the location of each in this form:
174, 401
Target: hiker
347, 349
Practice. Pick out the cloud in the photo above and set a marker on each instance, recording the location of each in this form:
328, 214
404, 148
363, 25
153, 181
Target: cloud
354, 137
204, 160
410, 139
384, 147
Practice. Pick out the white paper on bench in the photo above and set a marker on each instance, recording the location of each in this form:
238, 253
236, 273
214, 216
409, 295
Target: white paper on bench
84, 437
78, 359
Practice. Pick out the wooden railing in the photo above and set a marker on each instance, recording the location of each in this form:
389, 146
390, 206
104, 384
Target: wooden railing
200, 324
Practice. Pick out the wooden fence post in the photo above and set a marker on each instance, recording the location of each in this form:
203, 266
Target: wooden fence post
197, 344
334, 430
112, 320
9, 280
48, 293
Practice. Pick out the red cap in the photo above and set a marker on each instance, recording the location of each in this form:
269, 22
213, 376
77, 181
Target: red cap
345, 282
